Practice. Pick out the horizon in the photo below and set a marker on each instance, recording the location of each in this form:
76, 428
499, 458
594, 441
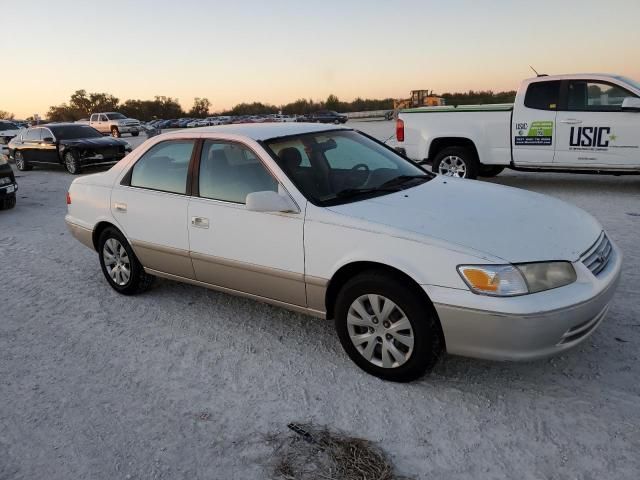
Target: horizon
284, 51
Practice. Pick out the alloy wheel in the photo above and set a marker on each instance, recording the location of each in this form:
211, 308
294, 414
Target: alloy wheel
116, 262
380, 331
19, 160
453, 166
70, 163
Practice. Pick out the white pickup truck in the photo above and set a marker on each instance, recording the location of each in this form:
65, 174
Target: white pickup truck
114, 124
573, 123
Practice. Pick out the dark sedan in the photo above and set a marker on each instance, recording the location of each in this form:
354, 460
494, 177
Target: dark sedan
70, 144
326, 116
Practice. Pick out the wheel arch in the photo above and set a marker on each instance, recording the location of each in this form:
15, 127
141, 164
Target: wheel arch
440, 143
349, 270
99, 228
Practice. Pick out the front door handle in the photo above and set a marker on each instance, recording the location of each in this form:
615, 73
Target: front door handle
200, 222
571, 121
121, 207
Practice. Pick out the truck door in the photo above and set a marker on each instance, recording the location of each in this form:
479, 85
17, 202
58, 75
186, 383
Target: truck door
533, 124
593, 131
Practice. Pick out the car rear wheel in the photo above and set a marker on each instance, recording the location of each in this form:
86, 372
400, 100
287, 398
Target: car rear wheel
71, 163
115, 132
120, 265
21, 163
387, 329
457, 162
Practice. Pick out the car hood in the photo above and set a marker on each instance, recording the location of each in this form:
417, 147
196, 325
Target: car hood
97, 142
509, 223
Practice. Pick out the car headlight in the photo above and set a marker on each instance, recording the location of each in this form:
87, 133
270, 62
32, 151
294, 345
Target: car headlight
519, 279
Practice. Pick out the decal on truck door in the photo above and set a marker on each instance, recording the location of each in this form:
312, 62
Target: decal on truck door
539, 133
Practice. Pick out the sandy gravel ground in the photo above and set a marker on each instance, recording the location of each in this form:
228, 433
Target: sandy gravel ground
184, 383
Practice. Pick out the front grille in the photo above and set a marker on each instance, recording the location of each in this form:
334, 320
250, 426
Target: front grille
598, 255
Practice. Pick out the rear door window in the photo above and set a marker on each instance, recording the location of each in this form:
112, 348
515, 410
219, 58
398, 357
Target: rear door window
543, 95
164, 167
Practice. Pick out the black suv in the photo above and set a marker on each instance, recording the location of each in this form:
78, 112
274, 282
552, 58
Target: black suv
8, 186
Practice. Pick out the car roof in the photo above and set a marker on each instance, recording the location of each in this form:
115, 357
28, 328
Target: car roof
265, 131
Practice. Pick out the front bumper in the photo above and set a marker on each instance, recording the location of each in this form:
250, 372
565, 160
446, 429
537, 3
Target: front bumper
530, 326
7, 190
129, 129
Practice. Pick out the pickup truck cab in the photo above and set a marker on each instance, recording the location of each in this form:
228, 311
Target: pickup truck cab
587, 123
114, 124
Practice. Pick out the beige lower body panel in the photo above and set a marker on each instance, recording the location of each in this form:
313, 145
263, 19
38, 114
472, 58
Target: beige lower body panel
82, 234
289, 306
164, 259
278, 287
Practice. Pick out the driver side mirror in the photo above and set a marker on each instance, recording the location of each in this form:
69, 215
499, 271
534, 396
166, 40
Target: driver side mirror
270, 201
631, 104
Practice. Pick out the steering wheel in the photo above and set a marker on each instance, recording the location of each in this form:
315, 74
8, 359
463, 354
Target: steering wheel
365, 168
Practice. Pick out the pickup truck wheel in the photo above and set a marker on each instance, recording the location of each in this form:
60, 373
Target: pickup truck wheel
386, 329
458, 162
115, 132
135, 134
120, 265
71, 162
490, 170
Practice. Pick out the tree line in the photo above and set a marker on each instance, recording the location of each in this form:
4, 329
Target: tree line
82, 104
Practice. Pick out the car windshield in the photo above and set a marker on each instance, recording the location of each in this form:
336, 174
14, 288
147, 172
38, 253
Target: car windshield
68, 132
340, 166
631, 82
4, 125
115, 116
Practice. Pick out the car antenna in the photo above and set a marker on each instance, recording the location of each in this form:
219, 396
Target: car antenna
536, 72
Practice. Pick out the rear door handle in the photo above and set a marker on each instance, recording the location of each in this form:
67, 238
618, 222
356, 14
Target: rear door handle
571, 121
121, 207
200, 222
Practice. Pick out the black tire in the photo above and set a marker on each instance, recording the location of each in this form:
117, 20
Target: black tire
490, 170
139, 280
465, 155
115, 132
21, 163
135, 134
8, 203
427, 337
71, 162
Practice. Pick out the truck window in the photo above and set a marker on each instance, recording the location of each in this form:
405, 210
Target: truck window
593, 96
103, 118
94, 118
543, 95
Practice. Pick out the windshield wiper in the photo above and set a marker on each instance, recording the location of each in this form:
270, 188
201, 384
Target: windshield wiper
403, 179
352, 192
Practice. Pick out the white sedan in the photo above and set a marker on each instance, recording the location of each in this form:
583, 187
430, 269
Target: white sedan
326, 221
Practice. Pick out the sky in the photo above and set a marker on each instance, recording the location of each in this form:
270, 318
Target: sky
277, 51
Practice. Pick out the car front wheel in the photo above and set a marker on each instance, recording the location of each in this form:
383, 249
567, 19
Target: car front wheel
120, 265
387, 329
71, 163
